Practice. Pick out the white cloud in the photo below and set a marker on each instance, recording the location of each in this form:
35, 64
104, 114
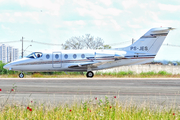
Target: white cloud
68, 23
18, 14
44, 5
165, 23
80, 22
97, 11
170, 8
33, 15
83, 3
5, 28
143, 5
100, 23
8, 29
129, 3
106, 2
133, 25
116, 26
74, 23
40, 30
20, 17
85, 12
60, 19
112, 11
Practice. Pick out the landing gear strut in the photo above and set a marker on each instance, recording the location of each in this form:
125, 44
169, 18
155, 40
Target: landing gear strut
89, 74
21, 75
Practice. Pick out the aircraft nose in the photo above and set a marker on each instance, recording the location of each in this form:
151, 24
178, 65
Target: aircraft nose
8, 66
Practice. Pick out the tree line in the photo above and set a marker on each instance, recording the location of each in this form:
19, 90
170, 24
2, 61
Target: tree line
85, 42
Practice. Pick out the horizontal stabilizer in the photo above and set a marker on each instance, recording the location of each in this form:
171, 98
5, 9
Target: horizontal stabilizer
161, 30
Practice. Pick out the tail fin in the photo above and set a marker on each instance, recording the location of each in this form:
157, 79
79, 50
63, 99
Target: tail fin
150, 42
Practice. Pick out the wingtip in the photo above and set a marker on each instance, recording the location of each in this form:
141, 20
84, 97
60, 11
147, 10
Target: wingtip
170, 28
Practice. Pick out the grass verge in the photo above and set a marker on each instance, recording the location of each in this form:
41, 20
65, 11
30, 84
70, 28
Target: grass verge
95, 109
121, 74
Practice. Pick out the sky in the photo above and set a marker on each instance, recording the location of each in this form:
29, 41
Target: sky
115, 21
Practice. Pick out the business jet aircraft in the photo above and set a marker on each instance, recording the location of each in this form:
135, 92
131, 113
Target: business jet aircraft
142, 51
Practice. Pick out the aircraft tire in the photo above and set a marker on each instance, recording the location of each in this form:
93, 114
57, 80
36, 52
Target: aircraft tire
89, 74
21, 75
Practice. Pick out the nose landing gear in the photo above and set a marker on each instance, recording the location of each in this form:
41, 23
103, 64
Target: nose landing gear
21, 75
89, 74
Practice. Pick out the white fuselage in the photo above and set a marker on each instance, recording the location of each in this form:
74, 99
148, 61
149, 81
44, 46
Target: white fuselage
78, 60
142, 51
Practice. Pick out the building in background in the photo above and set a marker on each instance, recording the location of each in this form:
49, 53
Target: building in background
15, 54
8, 53
3, 53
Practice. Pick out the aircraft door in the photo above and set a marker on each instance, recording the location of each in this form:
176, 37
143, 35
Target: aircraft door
56, 59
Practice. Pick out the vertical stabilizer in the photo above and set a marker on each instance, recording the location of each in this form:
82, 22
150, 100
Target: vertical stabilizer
150, 42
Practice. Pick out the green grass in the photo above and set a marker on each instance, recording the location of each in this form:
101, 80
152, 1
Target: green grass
121, 74
90, 110
160, 73
131, 74
118, 74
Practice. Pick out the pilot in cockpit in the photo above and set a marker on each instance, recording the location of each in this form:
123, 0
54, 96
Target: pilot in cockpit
38, 55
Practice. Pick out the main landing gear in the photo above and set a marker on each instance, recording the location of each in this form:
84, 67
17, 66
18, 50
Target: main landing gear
89, 74
21, 75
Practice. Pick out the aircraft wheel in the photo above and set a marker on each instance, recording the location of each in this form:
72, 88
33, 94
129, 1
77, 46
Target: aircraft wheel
89, 74
21, 75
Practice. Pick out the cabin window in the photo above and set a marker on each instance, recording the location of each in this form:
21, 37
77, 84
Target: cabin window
35, 55
56, 56
65, 56
82, 56
38, 54
32, 55
47, 56
74, 56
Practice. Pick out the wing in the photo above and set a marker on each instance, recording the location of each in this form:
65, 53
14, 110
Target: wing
96, 61
93, 65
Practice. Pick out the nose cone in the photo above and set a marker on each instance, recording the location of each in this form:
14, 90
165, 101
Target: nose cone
8, 66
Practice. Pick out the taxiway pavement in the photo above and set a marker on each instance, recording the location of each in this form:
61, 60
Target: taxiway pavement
67, 90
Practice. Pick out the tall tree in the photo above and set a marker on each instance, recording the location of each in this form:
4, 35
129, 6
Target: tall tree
85, 42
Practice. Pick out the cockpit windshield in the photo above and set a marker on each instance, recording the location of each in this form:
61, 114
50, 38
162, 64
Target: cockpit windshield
35, 55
